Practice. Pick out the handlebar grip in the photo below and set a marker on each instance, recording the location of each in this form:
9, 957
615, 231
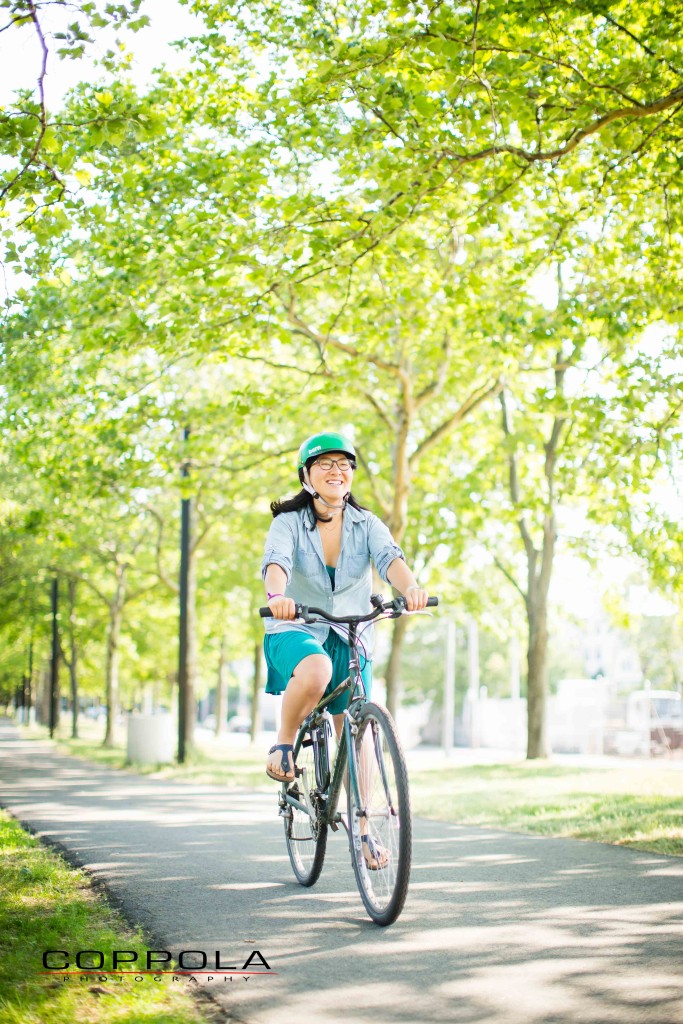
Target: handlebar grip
266, 613
432, 602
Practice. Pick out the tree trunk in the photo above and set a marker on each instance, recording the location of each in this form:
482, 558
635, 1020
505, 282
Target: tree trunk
29, 677
73, 662
112, 665
539, 571
392, 671
42, 700
191, 649
401, 467
73, 677
256, 685
537, 651
222, 687
537, 745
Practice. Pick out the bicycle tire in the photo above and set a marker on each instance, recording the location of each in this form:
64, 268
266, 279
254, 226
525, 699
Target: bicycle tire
306, 838
384, 813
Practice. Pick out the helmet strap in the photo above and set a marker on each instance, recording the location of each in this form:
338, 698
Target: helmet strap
307, 484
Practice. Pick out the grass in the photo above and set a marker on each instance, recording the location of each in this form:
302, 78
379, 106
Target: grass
45, 904
641, 807
630, 805
228, 762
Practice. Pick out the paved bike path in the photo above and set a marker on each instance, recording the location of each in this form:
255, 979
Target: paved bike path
498, 928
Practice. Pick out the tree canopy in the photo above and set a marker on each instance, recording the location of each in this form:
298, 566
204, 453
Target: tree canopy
455, 229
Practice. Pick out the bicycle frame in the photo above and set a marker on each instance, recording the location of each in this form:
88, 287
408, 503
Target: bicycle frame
374, 774
330, 789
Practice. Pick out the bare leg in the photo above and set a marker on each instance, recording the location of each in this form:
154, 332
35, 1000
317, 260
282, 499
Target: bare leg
367, 768
303, 692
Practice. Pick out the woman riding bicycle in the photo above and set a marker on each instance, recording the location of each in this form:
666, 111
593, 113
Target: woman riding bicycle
318, 552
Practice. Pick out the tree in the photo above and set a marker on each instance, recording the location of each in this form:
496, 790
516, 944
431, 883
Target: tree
38, 171
398, 355
386, 205
399, 109
556, 449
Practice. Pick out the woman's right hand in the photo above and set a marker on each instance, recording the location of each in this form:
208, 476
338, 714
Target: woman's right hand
282, 607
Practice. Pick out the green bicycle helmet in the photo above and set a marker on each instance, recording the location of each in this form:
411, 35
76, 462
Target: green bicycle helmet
327, 442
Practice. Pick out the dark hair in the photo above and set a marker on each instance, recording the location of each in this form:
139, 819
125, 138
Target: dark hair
303, 499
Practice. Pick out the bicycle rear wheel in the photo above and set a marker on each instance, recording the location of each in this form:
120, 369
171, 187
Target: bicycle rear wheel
305, 832
379, 807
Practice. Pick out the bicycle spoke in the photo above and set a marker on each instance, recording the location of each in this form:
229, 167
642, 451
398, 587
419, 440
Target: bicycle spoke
382, 864
305, 836
379, 757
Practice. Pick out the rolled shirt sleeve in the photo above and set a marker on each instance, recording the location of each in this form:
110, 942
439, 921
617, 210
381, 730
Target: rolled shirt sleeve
383, 547
279, 547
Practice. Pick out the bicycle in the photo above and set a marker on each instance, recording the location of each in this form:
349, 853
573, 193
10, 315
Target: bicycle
370, 762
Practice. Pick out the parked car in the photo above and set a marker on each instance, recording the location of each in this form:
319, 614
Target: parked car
659, 714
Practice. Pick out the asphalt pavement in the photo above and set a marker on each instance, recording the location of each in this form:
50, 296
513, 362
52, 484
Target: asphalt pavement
498, 928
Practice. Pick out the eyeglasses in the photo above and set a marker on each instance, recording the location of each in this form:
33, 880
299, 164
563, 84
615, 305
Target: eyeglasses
343, 464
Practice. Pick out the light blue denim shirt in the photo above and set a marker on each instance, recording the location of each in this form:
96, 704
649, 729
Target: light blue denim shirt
294, 543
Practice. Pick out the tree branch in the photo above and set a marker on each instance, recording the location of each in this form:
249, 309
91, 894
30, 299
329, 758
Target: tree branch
386, 420
300, 327
33, 15
437, 385
470, 403
639, 42
161, 572
577, 137
508, 576
324, 372
201, 536
514, 488
384, 506
79, 576
133, 595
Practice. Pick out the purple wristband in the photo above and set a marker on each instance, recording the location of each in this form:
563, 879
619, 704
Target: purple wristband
271, 596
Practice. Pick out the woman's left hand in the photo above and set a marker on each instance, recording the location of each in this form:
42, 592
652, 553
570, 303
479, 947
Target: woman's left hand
416, 599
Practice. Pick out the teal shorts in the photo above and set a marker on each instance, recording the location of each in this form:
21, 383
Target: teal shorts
284, 650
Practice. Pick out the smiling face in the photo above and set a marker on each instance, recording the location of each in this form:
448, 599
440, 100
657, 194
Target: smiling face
330, 479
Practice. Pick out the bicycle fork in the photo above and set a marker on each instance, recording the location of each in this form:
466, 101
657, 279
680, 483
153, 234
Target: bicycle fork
356, 769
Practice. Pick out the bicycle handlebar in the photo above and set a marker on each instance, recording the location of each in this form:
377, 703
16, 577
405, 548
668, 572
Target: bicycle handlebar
397, 606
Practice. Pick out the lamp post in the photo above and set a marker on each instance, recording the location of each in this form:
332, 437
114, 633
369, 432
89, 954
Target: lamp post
473, 674
183, 675
54, 661
449, 689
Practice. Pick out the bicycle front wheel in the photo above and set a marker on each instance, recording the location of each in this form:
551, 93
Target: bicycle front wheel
305, 831
380, 826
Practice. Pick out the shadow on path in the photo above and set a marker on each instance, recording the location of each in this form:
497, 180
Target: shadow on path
498, 927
